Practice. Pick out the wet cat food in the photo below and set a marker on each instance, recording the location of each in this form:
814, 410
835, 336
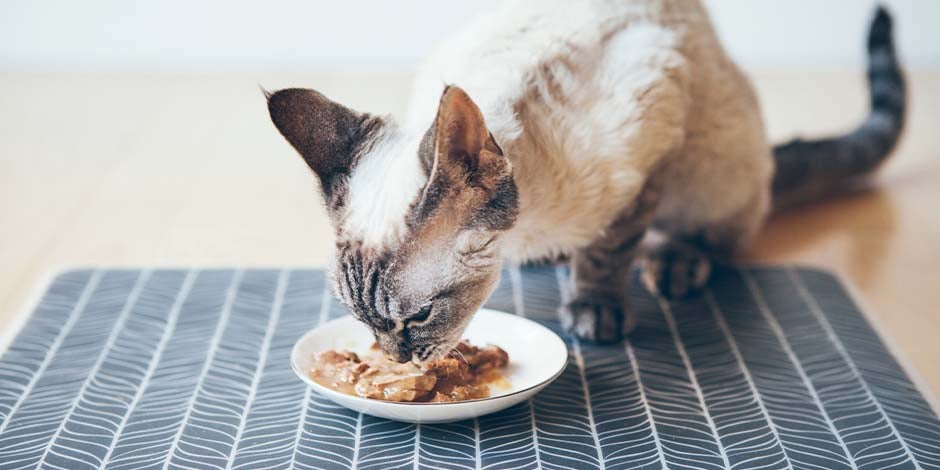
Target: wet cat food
465, 374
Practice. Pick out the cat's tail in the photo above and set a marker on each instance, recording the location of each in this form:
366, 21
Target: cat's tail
810, 169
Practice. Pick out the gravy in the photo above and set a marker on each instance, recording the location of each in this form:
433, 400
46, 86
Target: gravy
465, 374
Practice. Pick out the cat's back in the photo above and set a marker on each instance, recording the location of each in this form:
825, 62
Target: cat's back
586, 97
495, 57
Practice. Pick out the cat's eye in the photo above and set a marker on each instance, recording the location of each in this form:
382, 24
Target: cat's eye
422, 314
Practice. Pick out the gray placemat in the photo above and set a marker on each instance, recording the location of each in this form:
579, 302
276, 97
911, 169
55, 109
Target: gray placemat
770, 368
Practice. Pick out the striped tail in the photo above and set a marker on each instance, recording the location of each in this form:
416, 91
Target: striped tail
810, 169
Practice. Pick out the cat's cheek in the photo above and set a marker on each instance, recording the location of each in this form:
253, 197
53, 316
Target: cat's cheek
478, 249
479, 262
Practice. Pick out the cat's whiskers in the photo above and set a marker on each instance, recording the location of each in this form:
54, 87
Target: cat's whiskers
459, 356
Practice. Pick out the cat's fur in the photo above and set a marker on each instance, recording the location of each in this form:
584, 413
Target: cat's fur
571, 129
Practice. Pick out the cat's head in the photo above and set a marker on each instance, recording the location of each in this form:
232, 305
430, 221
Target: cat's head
418, 216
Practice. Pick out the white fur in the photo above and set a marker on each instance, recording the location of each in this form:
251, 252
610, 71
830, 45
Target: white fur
382, 187
589, 99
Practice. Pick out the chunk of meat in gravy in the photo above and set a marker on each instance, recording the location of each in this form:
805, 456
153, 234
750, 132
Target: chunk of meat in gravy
409, 388
483, 359
387, 380
338, 369
463, 375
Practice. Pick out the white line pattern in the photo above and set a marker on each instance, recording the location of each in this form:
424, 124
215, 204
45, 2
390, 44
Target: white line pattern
476, 444
515, 279
47, 355
323, 315
89, 381
745, 434
329, 432
40, 414
726, 332
912, 413
223, 396
624, 433
275, 315
667, 312
213, 349
683, 425
830, 334
184, 369
168, 330
152, 424
564, 297
788, 401
781, 337
631, 355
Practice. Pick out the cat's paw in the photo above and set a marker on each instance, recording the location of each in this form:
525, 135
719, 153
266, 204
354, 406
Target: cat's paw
675, 271
599, 320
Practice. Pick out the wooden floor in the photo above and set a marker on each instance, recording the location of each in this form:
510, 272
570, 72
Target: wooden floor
187, 170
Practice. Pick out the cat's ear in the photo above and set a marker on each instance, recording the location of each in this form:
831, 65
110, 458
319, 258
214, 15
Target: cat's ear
326, 134
464, 150
466, 168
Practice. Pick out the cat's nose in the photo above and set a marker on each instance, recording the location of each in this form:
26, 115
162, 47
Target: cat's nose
394, 346
402, 353
396, 350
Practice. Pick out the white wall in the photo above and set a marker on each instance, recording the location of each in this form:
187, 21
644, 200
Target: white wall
211, 35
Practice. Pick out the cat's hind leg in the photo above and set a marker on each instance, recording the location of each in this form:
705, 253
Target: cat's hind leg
676, 268
682, 264
716, 193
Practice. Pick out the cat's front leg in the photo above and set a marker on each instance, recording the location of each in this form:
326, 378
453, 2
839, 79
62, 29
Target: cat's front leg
598, 308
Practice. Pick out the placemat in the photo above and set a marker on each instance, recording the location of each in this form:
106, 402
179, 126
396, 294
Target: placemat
770, 368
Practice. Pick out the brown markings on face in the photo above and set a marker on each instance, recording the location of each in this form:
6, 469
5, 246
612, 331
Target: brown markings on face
417, 299
417, 296
451, 258
469, 180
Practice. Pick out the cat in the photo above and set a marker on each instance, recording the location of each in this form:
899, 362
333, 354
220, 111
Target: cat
563, 129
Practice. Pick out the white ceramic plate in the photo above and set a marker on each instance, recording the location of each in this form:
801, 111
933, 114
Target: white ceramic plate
537, 356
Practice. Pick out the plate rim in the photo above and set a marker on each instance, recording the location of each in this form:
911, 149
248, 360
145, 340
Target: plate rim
304, 377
